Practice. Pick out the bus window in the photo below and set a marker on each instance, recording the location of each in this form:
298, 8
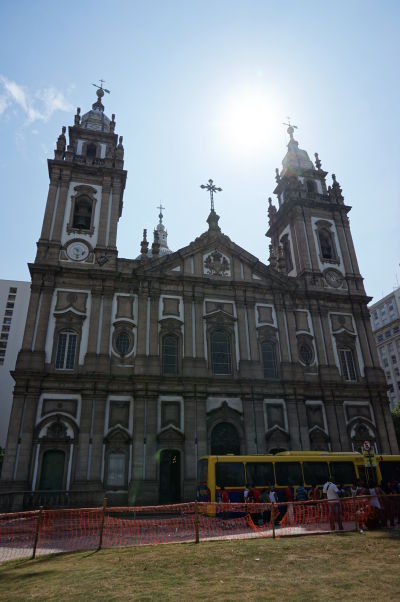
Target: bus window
229, 474
202, 473
343, 472
316, 473
260, 474
390, 471
288, 473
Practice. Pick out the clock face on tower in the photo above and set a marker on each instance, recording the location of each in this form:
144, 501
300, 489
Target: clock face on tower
77, 251
333, 278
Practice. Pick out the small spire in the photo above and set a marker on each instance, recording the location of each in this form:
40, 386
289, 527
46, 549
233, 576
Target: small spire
112, 123
277, 176
155, 247
61, 144
78, 116
144, 245
281, 260
271, 211
317, 161
335, 192
272, 257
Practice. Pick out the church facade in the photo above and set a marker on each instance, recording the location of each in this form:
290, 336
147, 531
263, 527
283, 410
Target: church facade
132, 369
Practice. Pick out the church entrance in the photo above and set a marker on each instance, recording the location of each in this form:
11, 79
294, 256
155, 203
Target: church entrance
52, 475
225, 439
170, 476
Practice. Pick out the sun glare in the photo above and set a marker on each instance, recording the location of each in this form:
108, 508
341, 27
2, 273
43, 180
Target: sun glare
250, 121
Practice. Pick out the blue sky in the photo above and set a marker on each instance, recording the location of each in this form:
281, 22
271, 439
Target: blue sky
200, 90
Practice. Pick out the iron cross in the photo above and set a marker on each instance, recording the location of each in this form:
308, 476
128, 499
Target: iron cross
211, 189
160, 215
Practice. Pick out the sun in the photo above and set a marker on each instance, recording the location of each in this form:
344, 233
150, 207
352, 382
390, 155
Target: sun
248, 120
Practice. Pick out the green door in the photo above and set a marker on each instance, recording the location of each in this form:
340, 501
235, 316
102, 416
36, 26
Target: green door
52, 477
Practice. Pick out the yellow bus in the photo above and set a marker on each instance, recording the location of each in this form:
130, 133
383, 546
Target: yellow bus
290, 469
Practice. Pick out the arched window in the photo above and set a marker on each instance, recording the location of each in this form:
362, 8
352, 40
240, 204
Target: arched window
225, 439
221, 353
82, 217
268, 359
170, 354
347, 363
91, 151
326, 244
65, 354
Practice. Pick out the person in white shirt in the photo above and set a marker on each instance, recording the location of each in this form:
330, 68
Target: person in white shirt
331, 491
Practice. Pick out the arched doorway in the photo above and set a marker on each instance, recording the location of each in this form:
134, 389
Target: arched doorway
52, 474
224, 439
170, 476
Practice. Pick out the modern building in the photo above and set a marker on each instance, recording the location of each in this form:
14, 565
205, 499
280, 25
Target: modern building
385, 322
14, 300
131, 369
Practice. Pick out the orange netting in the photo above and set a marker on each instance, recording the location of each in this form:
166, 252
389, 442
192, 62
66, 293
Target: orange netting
26, 534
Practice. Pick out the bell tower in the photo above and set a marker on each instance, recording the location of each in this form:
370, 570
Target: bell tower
84, 202
310, 231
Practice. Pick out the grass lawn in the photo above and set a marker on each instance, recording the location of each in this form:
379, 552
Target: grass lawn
350, 566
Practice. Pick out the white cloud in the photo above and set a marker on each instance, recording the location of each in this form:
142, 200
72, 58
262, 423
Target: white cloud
37, 106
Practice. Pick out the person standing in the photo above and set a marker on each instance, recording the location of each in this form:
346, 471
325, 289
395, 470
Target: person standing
332, 494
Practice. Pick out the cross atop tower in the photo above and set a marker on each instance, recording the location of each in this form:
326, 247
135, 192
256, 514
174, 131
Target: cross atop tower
210, 186
291, 128
160, 215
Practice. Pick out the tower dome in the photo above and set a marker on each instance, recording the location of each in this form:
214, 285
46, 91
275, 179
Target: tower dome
95, 119
161, 234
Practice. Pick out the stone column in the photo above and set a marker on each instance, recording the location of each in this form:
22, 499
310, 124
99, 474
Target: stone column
82, 449
116, 197
62, 204
98, 439
50, 204
104, 211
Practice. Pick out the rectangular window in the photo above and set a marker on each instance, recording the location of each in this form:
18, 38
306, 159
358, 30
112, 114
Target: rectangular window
394, 359
396, 329
288, 473
3, 344
8, 312
315, 473
10, 305
13, 290
260, 474
390, 471
2, 353
343, 473
65, 356
387, 334
348, 367
6, 328
116, 470
4, 336
11, 298
1, 361
385, 363
7, 321
229, 474
380, 338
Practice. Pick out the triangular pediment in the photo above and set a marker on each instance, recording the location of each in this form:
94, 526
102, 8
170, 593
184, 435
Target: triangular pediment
214, 256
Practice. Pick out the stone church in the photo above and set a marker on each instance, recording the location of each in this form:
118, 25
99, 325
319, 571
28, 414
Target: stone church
132, 369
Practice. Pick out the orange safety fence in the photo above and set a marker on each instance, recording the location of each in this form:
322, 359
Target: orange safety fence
26, 534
